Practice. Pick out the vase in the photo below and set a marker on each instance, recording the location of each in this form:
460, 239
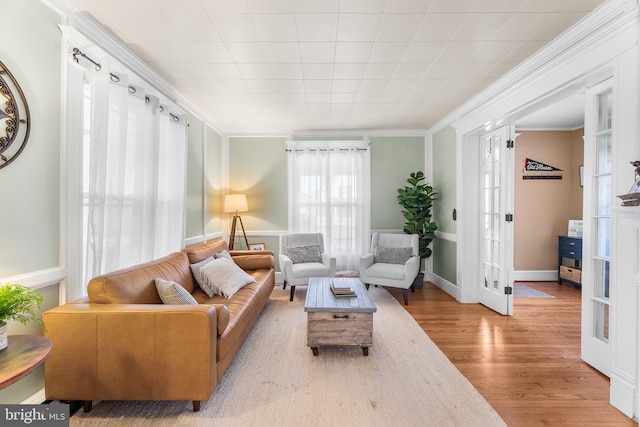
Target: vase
3, 335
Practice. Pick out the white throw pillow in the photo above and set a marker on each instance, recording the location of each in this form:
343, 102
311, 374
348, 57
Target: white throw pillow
172, 293
225, 276
224, 254
197, 274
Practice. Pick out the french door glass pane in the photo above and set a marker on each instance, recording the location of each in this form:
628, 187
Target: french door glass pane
603, 233
603, 154
601, 279
601, 321
603, 189
604, 111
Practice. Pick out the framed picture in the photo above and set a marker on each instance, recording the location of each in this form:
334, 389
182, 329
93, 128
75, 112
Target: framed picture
257, 247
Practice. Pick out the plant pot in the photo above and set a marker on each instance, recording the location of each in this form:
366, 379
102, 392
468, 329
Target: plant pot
3, 336
418, 281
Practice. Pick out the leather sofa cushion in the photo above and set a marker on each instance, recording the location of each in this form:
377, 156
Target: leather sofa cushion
136, 285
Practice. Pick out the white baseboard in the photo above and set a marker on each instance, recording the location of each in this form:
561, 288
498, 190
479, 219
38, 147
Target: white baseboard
622, 393
535, 276
445, 285
35, 399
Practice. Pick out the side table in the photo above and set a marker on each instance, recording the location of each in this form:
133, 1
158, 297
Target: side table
22, 356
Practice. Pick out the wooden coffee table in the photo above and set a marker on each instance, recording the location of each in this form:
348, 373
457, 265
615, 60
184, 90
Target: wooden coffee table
338, 321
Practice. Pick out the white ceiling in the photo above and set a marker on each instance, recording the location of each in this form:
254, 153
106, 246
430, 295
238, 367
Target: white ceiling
300, 65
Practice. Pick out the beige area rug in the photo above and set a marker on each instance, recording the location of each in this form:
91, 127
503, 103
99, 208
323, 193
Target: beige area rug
275, 380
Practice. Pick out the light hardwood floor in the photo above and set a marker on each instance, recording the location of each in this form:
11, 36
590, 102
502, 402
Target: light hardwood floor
528, 365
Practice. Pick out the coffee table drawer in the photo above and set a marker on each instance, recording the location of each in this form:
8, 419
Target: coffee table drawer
325, 328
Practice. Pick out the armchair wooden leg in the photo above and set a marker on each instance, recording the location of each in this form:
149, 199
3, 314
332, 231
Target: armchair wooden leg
413, 288
196, 406
284, 284
87, 405
293, 291
405, 296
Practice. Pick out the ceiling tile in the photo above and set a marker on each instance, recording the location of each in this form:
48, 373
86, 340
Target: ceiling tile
318, 86
355, 27
315, 6
424, 51
316, 27
408, 6
352, 51
270, 6
399, 27
349, 71
218, 6
362, 6
318, 52
252, 70
440, 26
346, 85
380, 71
388, 51
276, 27
236, 27
317, 71
282, 52
410, 70
286, 71
247, 52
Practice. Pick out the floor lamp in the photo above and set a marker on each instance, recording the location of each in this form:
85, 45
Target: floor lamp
236, 203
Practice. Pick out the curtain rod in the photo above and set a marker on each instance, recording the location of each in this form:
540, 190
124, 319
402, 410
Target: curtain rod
116, 78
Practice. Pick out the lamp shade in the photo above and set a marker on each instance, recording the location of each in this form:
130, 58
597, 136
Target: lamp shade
235, 203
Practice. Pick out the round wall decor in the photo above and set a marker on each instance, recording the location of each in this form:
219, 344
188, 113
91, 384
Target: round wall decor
15, 121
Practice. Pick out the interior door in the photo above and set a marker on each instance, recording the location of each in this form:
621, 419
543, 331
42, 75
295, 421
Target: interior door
496, 220
596, 245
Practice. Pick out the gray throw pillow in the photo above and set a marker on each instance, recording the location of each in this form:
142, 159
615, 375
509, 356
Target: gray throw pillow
172, 293
392, 255
200, 280
310, 253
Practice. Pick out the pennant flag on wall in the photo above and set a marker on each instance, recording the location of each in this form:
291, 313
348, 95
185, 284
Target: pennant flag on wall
534, 169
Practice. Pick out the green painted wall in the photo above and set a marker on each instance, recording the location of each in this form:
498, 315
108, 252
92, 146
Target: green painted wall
30, 189
195, 172
392, 160
444, 180
213, 180
258, 168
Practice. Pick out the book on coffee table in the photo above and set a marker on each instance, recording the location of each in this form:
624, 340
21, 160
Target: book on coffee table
342, 288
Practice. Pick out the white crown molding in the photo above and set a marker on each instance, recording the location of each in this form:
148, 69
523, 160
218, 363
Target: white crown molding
604, 23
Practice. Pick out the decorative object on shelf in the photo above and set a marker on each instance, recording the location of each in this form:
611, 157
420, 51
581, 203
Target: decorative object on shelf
17, 303
632, 198
15, 119
236, 203
257, 247
417, 201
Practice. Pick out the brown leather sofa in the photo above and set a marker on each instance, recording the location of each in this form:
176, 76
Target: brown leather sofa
122, 343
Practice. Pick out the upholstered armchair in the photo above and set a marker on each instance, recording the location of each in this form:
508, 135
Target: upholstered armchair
394, 261
301, 257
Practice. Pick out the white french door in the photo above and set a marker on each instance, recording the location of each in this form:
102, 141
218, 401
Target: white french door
596, 248
496, 220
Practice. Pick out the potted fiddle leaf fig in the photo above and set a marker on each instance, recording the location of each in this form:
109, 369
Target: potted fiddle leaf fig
417, 200
18, 303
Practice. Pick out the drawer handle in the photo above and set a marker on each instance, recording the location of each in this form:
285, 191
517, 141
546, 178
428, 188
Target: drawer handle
340, 316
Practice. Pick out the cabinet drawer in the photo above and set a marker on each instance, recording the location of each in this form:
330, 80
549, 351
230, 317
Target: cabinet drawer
571, 248
572, 274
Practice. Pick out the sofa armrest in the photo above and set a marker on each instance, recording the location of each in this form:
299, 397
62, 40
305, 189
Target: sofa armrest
253, 260
330, 262
286, 266
100, 351
366, 261
412, 267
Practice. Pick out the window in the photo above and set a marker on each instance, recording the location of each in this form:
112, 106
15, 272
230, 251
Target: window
330, 193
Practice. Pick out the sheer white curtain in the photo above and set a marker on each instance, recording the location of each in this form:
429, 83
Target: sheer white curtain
330, 192
134, 175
